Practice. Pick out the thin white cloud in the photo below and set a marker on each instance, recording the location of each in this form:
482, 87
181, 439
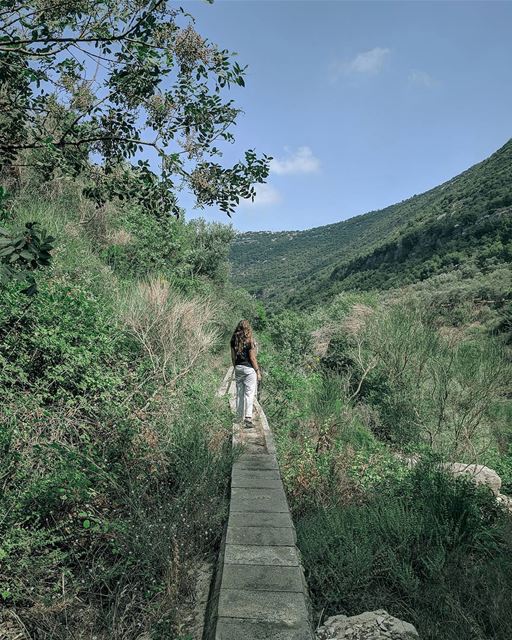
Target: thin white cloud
266, 195
301, 161
367, 62
422, 79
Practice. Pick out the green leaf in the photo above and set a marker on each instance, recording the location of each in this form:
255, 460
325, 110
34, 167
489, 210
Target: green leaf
6, 251
31, 290
86, 524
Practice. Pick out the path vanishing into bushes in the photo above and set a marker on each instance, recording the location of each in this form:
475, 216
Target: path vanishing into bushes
259, 591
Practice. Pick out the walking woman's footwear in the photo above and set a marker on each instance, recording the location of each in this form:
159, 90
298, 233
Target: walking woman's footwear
248, 423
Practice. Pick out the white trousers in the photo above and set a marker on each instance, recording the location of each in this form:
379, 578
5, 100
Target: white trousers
246, 383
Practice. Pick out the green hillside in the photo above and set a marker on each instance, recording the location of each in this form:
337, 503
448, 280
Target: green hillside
465, 219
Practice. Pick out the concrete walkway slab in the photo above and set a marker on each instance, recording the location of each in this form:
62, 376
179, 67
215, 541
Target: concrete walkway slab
267, 479
269, 606
273, 500
259, 519
279, 536
262, 578
260, 591
256, 461
237, 629
262, 555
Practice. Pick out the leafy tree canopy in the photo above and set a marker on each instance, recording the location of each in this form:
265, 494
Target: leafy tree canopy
95, 87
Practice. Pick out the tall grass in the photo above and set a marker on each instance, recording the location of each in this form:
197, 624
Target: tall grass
428, 383
384, 377
430, 549
114, 451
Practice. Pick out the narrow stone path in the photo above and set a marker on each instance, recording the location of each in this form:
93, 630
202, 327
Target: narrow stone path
262, 592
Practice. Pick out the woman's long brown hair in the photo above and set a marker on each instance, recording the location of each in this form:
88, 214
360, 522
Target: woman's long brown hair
242, 336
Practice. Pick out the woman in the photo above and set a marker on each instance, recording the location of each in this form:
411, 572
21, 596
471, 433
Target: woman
247, 372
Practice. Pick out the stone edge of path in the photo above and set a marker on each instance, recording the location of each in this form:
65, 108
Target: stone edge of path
273, 602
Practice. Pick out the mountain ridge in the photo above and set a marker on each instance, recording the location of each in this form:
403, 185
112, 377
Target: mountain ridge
425, 232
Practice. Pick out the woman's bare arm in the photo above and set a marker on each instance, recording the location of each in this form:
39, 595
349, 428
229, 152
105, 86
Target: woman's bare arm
253, 361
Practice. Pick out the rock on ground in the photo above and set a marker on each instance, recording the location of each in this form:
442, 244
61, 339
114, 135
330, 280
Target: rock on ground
479, 473
505, 501
371, 625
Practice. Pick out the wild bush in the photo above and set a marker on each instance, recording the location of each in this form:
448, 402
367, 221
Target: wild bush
292, 332
59, 346
106, 498
114, 451
428, 548
174, 332
328, 454
190, 253
395, 374
429, 386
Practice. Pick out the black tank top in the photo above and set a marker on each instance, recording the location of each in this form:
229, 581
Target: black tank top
242, 358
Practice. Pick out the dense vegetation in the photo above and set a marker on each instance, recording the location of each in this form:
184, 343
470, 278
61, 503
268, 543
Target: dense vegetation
115, 453
403, 352
462, 226
351, 389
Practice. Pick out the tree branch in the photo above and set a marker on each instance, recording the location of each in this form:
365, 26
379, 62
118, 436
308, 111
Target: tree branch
96, 39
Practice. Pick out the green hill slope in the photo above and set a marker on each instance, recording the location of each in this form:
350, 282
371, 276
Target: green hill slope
113, 481
465, 219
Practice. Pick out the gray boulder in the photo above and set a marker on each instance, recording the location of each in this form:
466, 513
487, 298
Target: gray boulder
505, 501
479, 473
371, 625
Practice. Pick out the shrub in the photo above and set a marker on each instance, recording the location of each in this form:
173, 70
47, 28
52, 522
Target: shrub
429, 384
60, 345
190, 253
114, 452
174, 332
292, 332
430, 549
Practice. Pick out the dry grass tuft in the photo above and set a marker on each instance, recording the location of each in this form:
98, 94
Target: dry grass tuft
321, 339
357, 319
175, 332
119, 237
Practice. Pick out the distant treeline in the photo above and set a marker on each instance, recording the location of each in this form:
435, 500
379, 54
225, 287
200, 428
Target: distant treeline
464, 221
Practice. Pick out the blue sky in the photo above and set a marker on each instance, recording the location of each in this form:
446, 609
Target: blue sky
362, 104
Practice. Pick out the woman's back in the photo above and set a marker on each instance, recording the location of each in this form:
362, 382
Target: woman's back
247, 373
242, 355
